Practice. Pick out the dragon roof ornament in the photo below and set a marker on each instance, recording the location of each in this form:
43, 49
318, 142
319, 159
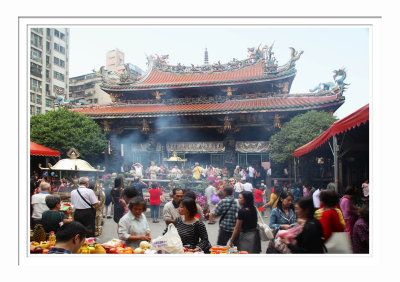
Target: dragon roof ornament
336, 87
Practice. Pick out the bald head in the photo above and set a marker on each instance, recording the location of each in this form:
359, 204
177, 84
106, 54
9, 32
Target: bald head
44, 186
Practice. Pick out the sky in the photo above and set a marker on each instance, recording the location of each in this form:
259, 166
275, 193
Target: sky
325, 49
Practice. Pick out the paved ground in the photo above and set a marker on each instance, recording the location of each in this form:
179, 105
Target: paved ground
110, 230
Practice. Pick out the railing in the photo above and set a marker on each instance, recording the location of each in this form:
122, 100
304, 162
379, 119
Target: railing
36, 73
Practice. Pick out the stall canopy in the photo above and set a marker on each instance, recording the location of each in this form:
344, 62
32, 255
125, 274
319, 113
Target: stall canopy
39, 150
351, 121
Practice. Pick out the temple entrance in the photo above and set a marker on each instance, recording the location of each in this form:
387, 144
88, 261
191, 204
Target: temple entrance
255, 159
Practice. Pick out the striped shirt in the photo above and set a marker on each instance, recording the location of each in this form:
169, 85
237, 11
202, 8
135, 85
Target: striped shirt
193, 235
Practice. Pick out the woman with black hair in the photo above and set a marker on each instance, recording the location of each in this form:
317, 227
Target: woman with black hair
309, 240
246, 234
283, 216
360, 236
116, 195
193, 232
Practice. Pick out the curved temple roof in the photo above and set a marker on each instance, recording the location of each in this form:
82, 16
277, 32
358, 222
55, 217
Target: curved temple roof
270, 104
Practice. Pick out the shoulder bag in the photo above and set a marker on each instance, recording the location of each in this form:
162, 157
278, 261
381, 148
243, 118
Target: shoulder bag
266, 233
77, 190
223, 216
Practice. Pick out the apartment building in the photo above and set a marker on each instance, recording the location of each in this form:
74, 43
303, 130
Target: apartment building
87, 87
49, 63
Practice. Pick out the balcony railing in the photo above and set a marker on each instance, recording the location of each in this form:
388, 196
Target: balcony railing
36, 89
36, 73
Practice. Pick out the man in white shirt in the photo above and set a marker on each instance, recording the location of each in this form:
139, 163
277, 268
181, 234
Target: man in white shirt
247, 186
211, 190
85, 203
251, 174
315, 197
39, 203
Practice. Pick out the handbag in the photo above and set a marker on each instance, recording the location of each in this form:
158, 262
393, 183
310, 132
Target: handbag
265, 231
214, 199
339, 243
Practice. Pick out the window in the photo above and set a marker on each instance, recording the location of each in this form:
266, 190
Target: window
36, 85
56, 60
48, 32
49, 103
47, 60
62, 63
59, 76
62, 50
62, 36
36, 55
47, 46
59, 62
32, 97
36, 40
56, 33
32, 110
38, 99
38, 110
36, 70
56, 47
95, 101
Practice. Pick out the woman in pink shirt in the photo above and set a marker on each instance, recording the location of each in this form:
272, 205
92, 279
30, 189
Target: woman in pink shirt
155, 201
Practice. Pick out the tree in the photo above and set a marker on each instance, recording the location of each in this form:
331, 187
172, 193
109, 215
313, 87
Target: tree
62, 129
297, 132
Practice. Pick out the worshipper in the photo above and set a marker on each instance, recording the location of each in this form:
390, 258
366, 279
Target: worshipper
108, 207
116, 194
209, 192
283, 216
197, 171
153, 170
138, 170
187, 193
238, 187
170, 210
53, 219
349, 210
247, 186
259, 192
228, 209
192, 232
155, 201
69, 238
133, 226
309, 240
127, 195
176, 173
360, 236
39, 203
85, 203
274, 197
236, 172
329, 215
365, 188
139, 185
252, 174
246, 234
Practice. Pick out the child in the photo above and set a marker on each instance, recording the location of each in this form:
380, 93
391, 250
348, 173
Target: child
53, 219
258, 198
133, 226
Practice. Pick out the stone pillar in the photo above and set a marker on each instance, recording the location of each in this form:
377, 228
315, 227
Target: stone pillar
229, 155
114, 159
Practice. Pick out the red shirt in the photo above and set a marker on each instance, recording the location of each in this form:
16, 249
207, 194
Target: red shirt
155, 196
258, 196
330, 223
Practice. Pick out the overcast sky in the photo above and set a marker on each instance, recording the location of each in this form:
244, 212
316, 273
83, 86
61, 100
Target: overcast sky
325, 49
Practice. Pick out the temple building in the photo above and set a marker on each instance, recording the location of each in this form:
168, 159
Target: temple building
219, 114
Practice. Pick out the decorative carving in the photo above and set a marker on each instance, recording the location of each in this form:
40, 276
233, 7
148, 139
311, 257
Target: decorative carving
158, 94
196, 147
229, 91
252, 146
107, 126
337, 87
144, 147
145, 126
277, 122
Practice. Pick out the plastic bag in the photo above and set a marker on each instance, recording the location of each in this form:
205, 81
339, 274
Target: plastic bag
169, 243
214, 199
266, 233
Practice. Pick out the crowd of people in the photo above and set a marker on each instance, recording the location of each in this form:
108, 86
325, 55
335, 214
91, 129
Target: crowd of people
304, 218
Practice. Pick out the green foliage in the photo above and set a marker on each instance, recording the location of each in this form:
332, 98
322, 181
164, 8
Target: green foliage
300, 130
63, 129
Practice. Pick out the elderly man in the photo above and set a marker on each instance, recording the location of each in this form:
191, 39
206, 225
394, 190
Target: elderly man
170, 210
39, 203
85, 203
